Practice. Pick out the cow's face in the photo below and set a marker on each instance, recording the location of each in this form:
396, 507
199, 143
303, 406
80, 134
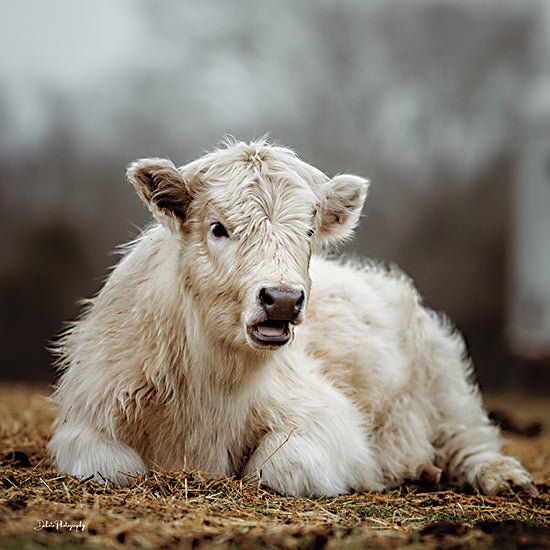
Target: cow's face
247, 219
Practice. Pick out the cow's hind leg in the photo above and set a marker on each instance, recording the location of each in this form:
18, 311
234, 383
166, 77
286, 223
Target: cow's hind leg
471, 455
467, 444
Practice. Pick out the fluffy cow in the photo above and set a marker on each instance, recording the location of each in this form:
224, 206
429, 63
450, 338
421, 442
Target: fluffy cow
221, 342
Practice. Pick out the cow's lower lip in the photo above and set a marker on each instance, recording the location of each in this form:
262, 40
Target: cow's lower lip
270, 333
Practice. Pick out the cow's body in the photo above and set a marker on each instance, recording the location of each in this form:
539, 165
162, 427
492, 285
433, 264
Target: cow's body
219, 343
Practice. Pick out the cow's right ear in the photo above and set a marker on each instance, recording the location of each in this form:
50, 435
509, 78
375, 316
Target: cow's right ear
161, 187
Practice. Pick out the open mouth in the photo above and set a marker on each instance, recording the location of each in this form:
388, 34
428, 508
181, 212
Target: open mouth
270, 333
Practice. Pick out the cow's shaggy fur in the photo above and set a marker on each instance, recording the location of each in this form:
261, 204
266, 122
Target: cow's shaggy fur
177, 362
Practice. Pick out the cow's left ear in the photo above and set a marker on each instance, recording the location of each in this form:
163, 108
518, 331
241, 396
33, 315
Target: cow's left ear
161, 187
340, 212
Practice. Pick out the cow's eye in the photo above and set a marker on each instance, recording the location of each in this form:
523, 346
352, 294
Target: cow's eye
219, 231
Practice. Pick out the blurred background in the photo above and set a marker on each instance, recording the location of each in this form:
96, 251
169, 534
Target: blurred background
444, 106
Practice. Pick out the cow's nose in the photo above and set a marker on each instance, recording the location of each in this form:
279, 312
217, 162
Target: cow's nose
281, 303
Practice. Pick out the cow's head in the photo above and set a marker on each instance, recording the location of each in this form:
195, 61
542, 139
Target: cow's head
246, 219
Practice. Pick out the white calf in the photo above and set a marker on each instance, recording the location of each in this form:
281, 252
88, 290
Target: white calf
221, 343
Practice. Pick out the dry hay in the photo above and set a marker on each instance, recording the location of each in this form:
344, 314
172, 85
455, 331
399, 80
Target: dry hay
191, 509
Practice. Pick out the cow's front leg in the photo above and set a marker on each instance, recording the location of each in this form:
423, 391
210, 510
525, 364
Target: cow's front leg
299, 463
316, 444
84, 451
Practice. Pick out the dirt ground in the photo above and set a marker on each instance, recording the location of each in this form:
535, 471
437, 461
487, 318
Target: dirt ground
40, 508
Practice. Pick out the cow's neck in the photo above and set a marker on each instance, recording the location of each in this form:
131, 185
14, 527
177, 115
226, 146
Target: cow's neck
225, 371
